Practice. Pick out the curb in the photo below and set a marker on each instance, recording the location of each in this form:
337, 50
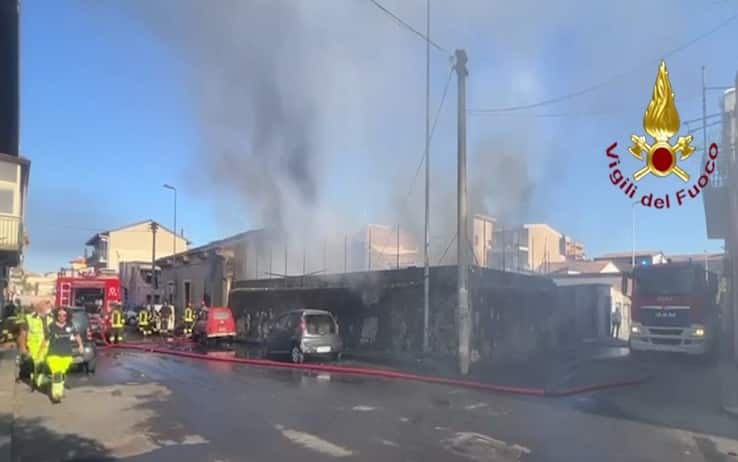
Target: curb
383, 373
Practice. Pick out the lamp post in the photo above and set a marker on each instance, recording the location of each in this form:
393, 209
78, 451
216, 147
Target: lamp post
174, 240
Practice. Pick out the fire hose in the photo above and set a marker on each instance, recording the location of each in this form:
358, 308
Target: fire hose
374, 372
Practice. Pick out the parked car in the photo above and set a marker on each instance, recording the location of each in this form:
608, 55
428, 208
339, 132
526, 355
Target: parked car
213, 325
82, 322
304, 333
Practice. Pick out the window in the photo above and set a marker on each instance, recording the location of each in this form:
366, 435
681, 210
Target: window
320, 324
8, 172
7, 198
187, 293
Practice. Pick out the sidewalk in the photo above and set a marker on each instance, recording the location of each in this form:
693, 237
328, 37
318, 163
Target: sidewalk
729, 385
7, 399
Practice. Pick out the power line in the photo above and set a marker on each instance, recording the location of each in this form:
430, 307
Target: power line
597, 86
433, 129
407, 26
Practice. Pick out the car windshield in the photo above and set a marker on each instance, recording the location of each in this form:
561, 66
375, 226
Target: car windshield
221, 315
665, 281
320, 324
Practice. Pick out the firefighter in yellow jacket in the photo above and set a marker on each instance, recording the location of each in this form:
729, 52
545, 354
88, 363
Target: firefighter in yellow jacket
117, 324
189, 320
143, 322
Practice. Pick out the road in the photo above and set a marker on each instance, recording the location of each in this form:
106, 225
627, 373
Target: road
147, 407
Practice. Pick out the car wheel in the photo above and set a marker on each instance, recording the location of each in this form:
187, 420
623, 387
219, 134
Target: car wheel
296, 355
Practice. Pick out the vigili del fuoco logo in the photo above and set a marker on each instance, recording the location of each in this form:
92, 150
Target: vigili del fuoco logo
661, 122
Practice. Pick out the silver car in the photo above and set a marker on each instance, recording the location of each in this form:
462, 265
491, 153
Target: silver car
304, 333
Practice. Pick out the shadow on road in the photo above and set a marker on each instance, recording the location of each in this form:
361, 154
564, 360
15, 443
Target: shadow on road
31, 441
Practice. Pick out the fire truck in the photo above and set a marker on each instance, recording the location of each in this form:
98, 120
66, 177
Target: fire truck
92, 290
674, 309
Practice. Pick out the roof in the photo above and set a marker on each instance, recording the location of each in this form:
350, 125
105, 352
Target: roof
628, 254
579, 266
698, 257
219, 243
91, 241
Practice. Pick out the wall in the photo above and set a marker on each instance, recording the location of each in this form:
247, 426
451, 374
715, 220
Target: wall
513, 315
134, 244
543, 246
206, 275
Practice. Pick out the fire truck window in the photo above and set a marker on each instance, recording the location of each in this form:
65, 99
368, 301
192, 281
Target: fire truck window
6, 201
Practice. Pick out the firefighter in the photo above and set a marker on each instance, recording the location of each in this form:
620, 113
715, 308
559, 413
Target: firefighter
165, 314
143, 321
116, 324
154, 320
189, 319
32, 342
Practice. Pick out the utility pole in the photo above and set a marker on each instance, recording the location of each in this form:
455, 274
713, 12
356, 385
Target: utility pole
154, 280
345, 253
463, 315
370, 249
426, 245
704, 113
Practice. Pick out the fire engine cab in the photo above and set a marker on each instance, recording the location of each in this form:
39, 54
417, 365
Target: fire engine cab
92, 290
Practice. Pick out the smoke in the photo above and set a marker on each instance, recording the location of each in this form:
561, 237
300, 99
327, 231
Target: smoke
297, 102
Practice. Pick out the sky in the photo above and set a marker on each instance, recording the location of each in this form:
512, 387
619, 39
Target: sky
311, 114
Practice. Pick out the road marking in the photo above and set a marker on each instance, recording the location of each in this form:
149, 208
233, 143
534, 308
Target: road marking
475, 406
388, 443
362, 408
314, 443
483, 448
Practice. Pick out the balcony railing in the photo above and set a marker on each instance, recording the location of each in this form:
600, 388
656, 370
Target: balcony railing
11, 233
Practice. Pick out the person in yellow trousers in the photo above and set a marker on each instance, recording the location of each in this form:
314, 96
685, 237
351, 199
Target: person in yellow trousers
32, 341
116, 324
189, 320
61, 341
143, 322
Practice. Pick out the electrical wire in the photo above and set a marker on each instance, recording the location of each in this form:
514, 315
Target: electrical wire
432, 131
407, 26
606, 82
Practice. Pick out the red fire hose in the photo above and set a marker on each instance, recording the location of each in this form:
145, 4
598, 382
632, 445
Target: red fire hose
379, 373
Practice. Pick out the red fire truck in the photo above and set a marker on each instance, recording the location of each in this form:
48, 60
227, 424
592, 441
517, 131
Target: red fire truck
91, 290
674, 308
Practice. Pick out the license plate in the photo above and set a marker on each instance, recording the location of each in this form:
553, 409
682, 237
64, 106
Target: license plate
323, 349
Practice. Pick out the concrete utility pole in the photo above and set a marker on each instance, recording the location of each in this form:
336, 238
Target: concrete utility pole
426, 246
154, 279
463, 315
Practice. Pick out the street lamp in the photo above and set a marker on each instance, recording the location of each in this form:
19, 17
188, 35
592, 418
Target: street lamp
174, 242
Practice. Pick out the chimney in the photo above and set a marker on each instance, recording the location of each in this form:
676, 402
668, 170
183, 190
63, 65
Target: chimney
9, 64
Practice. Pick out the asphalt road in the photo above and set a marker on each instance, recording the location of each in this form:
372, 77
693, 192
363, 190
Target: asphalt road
146, 407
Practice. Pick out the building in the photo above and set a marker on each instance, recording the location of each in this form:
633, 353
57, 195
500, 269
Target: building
137, 283
532, 247
379, 247
483, 228
582, 267
624, 260
132, 243
14, 169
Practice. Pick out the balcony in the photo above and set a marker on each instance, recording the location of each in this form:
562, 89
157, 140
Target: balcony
11, 239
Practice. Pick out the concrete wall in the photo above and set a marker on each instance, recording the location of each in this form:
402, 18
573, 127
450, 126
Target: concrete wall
513, 315
543, 246
482, 240
134, 244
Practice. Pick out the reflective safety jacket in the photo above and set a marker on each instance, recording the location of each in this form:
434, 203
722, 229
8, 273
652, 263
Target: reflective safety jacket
36, 326
116, 319
189, 314
143, 318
